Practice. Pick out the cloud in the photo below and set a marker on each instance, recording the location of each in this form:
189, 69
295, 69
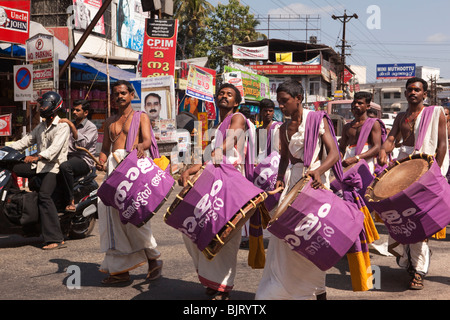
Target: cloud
438, 37
302, 9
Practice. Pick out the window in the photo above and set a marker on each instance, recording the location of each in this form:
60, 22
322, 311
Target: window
314, 86
397, 95
386, 95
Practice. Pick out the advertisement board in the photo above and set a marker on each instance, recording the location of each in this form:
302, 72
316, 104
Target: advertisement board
85, 11
14, 21
130, 24
396, 71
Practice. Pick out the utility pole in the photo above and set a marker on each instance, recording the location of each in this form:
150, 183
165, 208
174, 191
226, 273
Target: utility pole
344, 19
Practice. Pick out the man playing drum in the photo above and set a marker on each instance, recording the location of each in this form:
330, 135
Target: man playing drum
416, 257
288, 275
218, 275
126, 247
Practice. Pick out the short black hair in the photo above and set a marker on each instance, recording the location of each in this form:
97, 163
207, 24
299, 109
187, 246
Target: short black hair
363, 95
238, 96
85, 105
266, 103
417, 79
245, 111
123, 82
152, 94
291, 87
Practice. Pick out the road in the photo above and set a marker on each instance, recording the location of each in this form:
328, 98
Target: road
29, 273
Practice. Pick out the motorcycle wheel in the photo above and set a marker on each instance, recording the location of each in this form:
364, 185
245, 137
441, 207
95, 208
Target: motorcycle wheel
81, 227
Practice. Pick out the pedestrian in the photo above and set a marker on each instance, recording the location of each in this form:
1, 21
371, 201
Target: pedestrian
218, 275
51, 137
288, 275
416, 257
83, 133
126, 247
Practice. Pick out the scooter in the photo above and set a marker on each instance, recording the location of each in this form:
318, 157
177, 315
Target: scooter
18, 207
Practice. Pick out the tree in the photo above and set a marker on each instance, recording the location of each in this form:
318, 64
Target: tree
191, 15
230, 24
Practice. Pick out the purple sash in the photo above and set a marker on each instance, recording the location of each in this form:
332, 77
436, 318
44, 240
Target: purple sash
249, 155
312, 134
427, 115
211, 203
134, 131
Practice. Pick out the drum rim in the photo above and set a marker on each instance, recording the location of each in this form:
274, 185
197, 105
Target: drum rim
305, 180
184, 192
253, 204
369, 195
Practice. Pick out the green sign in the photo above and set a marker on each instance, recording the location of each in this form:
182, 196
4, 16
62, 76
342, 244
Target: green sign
256, 87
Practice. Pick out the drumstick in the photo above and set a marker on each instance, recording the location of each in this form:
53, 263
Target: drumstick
275, 191
90, 155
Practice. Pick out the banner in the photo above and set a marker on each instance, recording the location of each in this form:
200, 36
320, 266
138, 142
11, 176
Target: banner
251, 53
14, 21
200, 84
85, 11
283, 57
160, 47
396, 71
256, 87
5, 125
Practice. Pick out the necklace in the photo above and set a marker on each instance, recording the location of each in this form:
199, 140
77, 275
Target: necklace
412, 122
121, 130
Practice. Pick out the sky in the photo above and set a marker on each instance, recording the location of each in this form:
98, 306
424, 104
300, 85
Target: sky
386, 31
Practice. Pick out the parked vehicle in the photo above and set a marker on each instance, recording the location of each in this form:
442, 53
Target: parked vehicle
18, 207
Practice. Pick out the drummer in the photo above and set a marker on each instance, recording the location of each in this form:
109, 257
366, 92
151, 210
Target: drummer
416, 257
218, 274
352, 130
288, 275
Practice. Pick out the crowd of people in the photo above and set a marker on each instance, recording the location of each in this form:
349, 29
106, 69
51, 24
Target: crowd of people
286, 275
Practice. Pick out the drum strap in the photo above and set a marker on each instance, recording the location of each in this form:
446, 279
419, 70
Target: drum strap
133, 133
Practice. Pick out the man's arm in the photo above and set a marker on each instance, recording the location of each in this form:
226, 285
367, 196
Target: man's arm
442, 147
389, 143
284, 156
106, 146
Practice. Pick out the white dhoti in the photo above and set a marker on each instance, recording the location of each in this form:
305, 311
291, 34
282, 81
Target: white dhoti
416, 256
126, 247
287, 275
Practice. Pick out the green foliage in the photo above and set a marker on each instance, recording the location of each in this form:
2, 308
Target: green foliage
203, 31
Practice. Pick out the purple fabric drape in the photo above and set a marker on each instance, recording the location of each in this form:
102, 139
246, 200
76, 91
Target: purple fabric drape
427, 114
134, 131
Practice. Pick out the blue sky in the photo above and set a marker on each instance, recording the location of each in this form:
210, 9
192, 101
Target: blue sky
409, 32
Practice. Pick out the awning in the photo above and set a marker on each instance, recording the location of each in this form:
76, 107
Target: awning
79, 62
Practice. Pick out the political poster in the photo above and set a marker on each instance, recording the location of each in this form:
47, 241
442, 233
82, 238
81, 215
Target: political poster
160, 47
200, 84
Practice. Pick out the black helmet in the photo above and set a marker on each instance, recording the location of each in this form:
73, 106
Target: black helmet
53, 101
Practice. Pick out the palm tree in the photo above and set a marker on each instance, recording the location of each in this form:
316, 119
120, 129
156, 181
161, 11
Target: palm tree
191, 15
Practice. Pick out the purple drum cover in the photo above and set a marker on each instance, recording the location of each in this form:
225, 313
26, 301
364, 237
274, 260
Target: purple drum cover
419, 211
265, 178
320, 226
217, 195
136, 188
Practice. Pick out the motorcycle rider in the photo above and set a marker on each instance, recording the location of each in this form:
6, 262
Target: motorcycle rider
52, 139
83, 133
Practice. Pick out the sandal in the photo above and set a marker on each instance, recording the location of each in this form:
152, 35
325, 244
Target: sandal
117, 278
416, 282
71, 208
54, 246
155, 272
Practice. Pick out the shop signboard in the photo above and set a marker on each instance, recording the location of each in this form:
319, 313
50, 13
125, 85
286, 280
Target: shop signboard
14, 21
396, 71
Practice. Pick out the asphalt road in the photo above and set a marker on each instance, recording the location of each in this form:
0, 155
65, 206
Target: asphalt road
29, 273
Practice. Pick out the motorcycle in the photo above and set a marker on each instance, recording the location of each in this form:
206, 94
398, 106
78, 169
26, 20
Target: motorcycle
18, 207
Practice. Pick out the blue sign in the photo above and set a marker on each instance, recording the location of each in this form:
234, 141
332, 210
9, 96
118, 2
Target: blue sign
23, 78
396, 71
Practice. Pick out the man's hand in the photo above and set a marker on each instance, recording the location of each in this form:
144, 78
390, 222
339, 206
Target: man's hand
31, 159
317, 180
382, 157
64, 120
349, 161
140, 150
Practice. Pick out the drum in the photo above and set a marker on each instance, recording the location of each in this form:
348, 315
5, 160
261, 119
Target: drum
137, 188
211, 209
412, 198
317, 224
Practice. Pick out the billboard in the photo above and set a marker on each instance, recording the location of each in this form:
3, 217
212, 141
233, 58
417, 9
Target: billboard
85, 11
396, 71
130, 24
14, 21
